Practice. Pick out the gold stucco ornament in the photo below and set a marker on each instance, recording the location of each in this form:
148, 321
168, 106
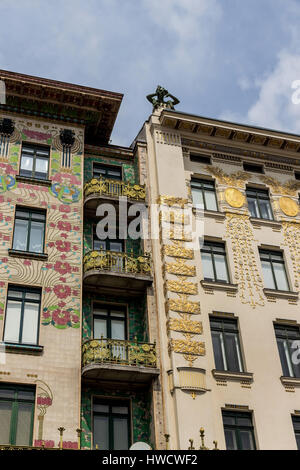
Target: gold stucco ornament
234, 197
288, 206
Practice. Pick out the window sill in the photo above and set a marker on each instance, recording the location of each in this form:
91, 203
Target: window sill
22, 348
215, 285
28, 254
281, 294
290, 381
232, 376
258, 223
217, 215
30, 180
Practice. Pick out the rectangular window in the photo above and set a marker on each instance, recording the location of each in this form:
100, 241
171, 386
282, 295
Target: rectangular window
296, 424
22, 315
205, 159
239, 431
204, 194
111, 425
108, 244
297, 175
29, 231
214, 262
109, 322
226, 344
288, 338
253, 168
274, 270
16, 414
106, 171
259, 203
34, 161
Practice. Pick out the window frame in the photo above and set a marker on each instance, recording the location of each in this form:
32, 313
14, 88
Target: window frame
108, 167
23, 300
35, 148
287, 338
30, 220
201, 182
296, 420
111, 403
222, 329
15, 409
237, 427
110, 317
264, 195
208, 243
271, 253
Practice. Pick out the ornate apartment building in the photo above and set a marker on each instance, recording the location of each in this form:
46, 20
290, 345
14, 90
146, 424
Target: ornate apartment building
110, 341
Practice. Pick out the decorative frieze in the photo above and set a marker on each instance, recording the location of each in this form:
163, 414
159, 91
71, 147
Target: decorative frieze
291, 234
180, 268
185, 326
181, 286
184, 305
178, 250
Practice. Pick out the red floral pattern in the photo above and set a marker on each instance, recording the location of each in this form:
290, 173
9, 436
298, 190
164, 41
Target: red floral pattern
62, 291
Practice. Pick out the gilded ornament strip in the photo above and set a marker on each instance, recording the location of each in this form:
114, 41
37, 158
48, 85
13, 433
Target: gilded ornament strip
183, 287
184, 346
183, 305
186, 326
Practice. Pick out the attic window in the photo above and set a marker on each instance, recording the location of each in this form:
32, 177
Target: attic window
205, 159
253, 168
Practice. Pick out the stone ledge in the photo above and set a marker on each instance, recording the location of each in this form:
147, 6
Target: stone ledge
35, 181
290, 381
233, 376
22, 348
217, 215
281, 294
212, 285
265, 223
28, 254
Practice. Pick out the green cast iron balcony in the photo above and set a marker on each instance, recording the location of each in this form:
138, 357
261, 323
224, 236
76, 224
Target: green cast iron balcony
108, 270
111, 189
121, 360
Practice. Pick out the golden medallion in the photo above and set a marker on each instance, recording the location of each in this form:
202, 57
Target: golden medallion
234, 197
288, 206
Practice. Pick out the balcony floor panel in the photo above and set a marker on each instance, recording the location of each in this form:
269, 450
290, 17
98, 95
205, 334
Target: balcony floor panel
119, 373
122, 282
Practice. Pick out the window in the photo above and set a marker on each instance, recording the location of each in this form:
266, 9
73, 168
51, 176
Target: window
204, 194
22, 315
16, 414
34, 161
238, 429
226, 345
29, 232
253, 168
105, 171
205, 159
109, 322
296, 424
259, 203
111, 425
274, 270
214, 262
286, 336
297, 175
108, 244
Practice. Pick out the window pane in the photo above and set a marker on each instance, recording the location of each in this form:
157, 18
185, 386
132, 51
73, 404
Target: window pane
218, 353
41, 167
27, 163
101, 311
5, 419
297, 435
116, 246
117, 329
197, 198
265, 209
253, 208
32, 296
232, 352
230, 439
24, 424
280, 275
284, 358
268, 275
101, 432
123, 410
101, 408
117, 313
99, 244
294, 355
36, 237
210, 199
20, 235
12, 322
221, 269
100, 328
120, 433
246, 440
30, 323
208, 271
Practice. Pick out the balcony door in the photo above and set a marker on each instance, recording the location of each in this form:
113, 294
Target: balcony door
110, 324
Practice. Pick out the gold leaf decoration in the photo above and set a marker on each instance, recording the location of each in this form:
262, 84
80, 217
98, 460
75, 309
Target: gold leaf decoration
184, 305
182, 287
185, 326
180, 268
185, 346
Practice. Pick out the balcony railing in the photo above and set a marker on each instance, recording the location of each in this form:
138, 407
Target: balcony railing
114, 188
117, 262
122, 352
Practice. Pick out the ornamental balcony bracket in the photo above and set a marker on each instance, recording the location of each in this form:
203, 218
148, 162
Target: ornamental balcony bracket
122, 360
7, 127
116, 270
67, 137
110, 188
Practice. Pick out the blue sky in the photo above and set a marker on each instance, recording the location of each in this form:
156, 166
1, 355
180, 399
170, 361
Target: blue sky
230, 59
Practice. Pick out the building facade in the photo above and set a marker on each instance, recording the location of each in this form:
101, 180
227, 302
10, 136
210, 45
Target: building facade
194, 323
